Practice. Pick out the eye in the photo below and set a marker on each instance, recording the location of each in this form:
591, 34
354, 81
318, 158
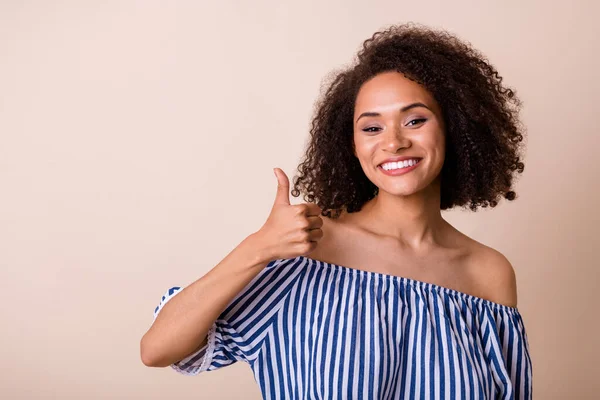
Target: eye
371, 129
417, 121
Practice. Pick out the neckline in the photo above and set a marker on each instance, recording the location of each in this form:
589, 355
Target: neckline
414, 282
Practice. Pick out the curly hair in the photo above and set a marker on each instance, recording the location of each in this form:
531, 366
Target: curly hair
482, 129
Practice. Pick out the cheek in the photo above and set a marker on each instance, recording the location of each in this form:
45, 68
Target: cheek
363, 146
441, 145
439, 151
435, 141
364, 150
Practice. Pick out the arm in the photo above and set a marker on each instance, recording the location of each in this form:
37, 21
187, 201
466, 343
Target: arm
181, 327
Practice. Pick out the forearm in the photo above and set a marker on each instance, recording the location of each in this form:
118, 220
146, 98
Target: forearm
183, 323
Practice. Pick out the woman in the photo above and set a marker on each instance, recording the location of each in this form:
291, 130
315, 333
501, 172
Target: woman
366, 292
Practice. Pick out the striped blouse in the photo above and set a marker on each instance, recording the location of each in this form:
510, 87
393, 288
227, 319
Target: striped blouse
316, 330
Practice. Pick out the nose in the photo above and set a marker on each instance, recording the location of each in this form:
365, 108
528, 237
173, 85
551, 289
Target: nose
394, 141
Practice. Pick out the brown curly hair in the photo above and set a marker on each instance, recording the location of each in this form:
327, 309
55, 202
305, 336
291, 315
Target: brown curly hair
483, 132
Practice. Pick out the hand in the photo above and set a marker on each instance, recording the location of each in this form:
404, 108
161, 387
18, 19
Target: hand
290, 230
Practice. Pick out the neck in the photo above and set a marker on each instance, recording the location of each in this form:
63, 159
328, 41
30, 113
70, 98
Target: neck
415, 221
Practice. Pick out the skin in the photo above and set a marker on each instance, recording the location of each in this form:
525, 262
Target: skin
401, 231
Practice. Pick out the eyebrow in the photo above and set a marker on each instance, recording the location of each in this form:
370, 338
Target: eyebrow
403, 109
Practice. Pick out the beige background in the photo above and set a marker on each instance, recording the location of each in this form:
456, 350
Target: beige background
137, 141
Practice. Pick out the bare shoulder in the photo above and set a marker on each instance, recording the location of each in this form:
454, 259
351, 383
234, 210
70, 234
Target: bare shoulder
495, 275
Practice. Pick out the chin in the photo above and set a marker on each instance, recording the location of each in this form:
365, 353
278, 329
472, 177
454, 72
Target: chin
399, 193
406, 188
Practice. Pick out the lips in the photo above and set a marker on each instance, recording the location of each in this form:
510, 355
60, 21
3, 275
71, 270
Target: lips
398, 159
399, 171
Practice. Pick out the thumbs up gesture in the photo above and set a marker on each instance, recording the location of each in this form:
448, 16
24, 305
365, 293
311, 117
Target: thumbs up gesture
290, 230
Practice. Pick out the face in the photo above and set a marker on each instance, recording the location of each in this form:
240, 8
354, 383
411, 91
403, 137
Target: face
398, 134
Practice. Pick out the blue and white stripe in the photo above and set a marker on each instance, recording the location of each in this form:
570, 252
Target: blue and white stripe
315, 330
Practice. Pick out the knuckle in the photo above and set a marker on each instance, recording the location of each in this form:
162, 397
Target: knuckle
303, 223
304, 236
306, 247
301, 209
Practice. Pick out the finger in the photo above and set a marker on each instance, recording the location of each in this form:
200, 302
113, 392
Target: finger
283, 187
315, 235
313, 210
314, 222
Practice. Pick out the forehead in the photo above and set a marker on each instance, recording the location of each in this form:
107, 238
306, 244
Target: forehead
390, 88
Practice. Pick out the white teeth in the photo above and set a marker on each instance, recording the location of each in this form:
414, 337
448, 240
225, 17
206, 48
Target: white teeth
399, 164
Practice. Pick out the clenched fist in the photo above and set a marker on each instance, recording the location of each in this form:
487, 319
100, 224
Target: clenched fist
291, 230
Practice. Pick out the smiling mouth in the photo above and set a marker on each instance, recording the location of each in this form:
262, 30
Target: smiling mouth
399, 165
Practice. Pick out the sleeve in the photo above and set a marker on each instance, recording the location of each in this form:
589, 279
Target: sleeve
238, 333
513, 366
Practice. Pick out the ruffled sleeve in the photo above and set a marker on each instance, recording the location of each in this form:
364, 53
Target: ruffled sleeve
238, 333
506, 348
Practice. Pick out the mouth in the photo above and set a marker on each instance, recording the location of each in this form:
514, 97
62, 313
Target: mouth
399, 167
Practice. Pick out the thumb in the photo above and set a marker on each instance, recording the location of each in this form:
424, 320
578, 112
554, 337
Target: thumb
283, 187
